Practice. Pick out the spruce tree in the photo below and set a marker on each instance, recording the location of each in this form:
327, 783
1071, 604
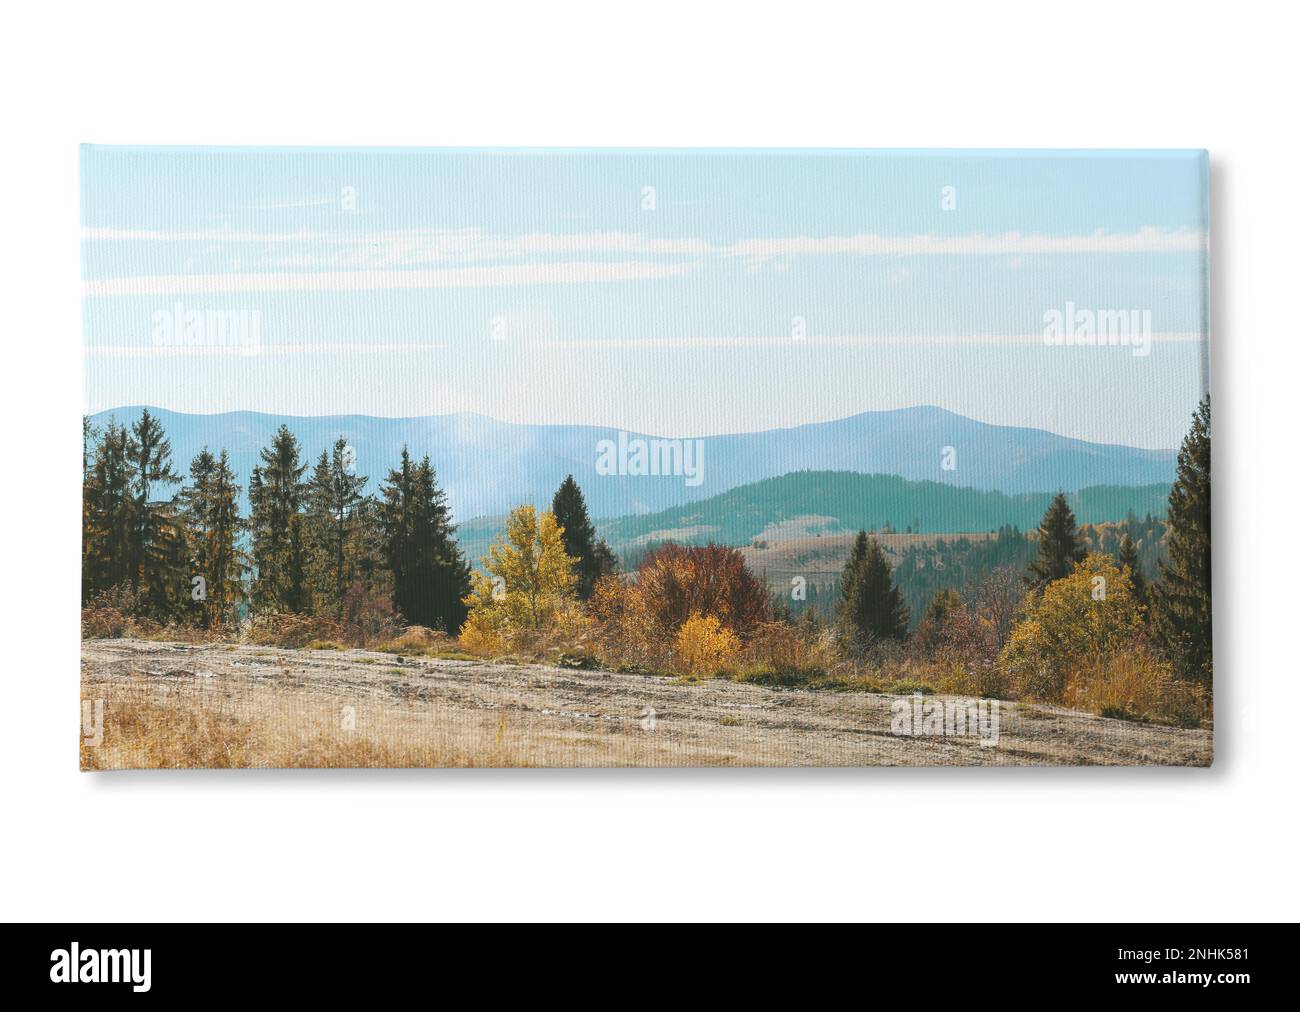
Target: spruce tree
430, 575
871, 607
334, 502
147, 522
594, 557
1127, 556
1059, 544
297, 579
108, 511
275, 493
210, 509
1182, 597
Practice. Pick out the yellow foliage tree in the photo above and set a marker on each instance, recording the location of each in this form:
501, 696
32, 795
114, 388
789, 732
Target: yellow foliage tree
1091, 612
705, 646
529, 589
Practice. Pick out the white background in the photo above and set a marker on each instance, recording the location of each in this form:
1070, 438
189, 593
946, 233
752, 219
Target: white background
939, 844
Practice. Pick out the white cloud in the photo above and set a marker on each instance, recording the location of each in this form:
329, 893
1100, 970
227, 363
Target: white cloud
1143, 240
569, 272
341, 261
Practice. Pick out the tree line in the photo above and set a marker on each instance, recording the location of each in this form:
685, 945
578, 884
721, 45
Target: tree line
314, 543
1174, 608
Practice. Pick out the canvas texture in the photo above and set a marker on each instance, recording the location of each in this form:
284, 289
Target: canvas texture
639, 458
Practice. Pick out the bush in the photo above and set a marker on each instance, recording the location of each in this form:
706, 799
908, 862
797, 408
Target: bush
416, 639
705, 646
479, 636
640, 618
1090, 613
292, 631
369, 615
107, 615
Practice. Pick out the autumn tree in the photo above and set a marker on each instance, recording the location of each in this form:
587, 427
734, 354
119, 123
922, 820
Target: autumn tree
1089, 613
1182, 597
529, 588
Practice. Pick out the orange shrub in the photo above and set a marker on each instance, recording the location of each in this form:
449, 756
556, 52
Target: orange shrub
705, 646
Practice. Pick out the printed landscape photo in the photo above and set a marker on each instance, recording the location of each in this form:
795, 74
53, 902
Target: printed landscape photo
570, 458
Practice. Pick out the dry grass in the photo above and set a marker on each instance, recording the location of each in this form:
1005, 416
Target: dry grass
1132, 685
179, 726
217, 705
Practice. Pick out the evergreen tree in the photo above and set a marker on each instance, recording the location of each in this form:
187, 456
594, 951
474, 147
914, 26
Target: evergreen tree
871, 606
1182, 597
1059, 544
89, 441
150, 457
334, 503
1128, 556
297, 580
937, 618
431, 578
276, 493
108, 513
210, 509
594, 557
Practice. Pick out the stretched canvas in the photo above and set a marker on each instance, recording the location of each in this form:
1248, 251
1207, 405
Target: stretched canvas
572, 458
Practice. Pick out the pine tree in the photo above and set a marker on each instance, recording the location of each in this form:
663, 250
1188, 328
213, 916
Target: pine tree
1059, 544
431, 578
297, 578
334, 503
210, 509
1127, 556
1182, 597
871, 607
108, 513
594, 557
150, 456
275, 493
857, 556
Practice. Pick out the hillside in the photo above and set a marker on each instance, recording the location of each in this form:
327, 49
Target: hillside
808, 504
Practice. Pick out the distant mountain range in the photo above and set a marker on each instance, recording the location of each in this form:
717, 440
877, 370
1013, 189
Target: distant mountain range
488, 466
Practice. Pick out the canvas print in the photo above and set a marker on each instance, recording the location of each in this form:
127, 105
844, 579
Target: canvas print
652, 458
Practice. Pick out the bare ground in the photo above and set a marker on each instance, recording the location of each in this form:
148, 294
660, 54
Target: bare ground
178, 705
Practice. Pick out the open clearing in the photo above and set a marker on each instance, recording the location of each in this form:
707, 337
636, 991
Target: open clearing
174, 704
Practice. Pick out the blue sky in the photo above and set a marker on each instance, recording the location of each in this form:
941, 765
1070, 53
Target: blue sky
676, 292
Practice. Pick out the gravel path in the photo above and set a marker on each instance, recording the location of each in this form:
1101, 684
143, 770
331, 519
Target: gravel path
548, 716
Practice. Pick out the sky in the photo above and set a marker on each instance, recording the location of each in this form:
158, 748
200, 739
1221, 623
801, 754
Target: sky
682, 293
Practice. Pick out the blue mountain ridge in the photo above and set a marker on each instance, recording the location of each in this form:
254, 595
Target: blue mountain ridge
487, 466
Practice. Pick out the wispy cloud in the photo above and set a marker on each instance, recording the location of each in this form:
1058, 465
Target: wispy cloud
569, 272
306, 260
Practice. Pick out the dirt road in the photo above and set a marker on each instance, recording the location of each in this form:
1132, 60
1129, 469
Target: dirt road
181, 705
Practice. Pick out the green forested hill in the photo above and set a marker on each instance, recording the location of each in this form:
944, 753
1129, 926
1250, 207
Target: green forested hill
811, 502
